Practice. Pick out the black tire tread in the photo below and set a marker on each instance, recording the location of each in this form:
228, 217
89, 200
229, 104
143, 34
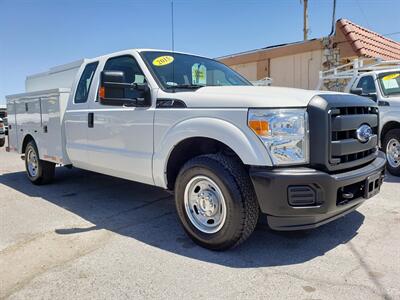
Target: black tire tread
393, 133
46, 168
250, 208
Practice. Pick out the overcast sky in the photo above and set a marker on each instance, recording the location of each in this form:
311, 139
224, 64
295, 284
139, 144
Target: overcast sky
35, 35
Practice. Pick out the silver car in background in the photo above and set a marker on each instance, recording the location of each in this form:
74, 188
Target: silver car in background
2, 133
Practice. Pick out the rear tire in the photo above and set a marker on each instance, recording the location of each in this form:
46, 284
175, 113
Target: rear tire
231, 215
38, 171
2, 142
391, 146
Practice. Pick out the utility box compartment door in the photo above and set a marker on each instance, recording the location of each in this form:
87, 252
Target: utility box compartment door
40, 115
12, 127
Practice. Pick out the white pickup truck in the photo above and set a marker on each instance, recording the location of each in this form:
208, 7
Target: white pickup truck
378, 80
228, 149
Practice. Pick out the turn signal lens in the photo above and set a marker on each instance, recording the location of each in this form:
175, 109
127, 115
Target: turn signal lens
284, 133
260, 127
102, 92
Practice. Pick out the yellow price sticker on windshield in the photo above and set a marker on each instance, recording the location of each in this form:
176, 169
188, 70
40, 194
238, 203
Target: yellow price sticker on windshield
391, 76
163, 60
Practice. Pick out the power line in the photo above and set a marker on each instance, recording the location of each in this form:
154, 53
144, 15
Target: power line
363, 13
392, 33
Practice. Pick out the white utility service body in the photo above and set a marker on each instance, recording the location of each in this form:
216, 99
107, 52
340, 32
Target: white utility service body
39, 114
190, 124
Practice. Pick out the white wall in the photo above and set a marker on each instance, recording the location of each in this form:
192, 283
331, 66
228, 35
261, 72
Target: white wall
299, 70
247, 70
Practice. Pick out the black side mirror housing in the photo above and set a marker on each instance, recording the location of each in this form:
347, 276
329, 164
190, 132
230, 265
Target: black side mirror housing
356, 91
116, 92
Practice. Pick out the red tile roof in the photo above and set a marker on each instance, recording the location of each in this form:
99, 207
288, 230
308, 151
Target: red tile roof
368, 43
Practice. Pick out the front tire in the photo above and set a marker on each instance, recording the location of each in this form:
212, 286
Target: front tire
38, 171
216, 202
391, 146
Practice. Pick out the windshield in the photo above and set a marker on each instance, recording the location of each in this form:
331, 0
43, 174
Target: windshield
174, 71
390, 83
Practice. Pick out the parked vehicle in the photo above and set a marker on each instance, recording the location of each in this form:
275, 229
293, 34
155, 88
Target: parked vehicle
266, 81
380, 81
2, 133
3, 115
191, 124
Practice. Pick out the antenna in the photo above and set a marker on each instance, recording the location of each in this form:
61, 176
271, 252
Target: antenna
333, 17
172, 26
172, 42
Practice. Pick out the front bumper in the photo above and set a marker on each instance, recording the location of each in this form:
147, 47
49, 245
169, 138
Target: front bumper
331, 191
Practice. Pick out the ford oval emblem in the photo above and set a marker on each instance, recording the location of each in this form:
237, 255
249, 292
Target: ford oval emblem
364, 133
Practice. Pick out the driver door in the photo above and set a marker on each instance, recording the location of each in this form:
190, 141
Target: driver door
120, 140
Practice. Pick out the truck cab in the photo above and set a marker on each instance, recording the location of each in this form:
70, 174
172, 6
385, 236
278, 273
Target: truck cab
227, 149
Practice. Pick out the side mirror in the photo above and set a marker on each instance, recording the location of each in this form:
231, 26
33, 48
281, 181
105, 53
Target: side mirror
356, 91
372, 96
115, 91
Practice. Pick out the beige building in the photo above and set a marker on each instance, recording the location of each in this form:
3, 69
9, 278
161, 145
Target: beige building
298, 64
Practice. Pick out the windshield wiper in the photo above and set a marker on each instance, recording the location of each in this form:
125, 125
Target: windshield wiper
185, 86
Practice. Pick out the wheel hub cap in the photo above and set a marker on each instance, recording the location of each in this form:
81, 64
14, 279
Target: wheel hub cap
32, 163
205, 204
393, 153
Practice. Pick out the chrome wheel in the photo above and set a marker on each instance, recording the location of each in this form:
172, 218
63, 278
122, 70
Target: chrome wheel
32, 162
393, 153
205, 204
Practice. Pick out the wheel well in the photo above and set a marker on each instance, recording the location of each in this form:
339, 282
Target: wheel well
27, 139
189, 148
389, 126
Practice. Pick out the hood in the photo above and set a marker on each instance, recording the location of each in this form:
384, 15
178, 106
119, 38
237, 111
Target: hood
245, 96
393, 99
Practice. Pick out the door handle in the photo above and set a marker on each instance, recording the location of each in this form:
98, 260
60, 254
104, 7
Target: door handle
90, 120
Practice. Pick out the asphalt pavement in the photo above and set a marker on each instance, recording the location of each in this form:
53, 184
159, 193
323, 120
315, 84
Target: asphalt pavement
91, 236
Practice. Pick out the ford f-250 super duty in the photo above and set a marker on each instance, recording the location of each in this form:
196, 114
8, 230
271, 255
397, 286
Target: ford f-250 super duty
228, 149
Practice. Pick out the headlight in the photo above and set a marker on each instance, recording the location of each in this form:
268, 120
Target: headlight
284, 133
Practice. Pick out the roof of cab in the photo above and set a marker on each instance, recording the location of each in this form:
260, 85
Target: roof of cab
381, 71
139, 50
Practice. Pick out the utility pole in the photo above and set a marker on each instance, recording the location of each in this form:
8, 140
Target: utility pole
305, 17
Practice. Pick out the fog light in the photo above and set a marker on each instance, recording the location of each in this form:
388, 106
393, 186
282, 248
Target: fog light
301, 195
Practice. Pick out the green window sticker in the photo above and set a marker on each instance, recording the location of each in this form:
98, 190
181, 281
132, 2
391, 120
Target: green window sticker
199, 74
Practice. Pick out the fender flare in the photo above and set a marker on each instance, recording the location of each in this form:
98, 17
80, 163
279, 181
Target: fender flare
246, 145
388, 117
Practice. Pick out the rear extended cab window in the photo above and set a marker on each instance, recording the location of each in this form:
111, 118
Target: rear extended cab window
82, 91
